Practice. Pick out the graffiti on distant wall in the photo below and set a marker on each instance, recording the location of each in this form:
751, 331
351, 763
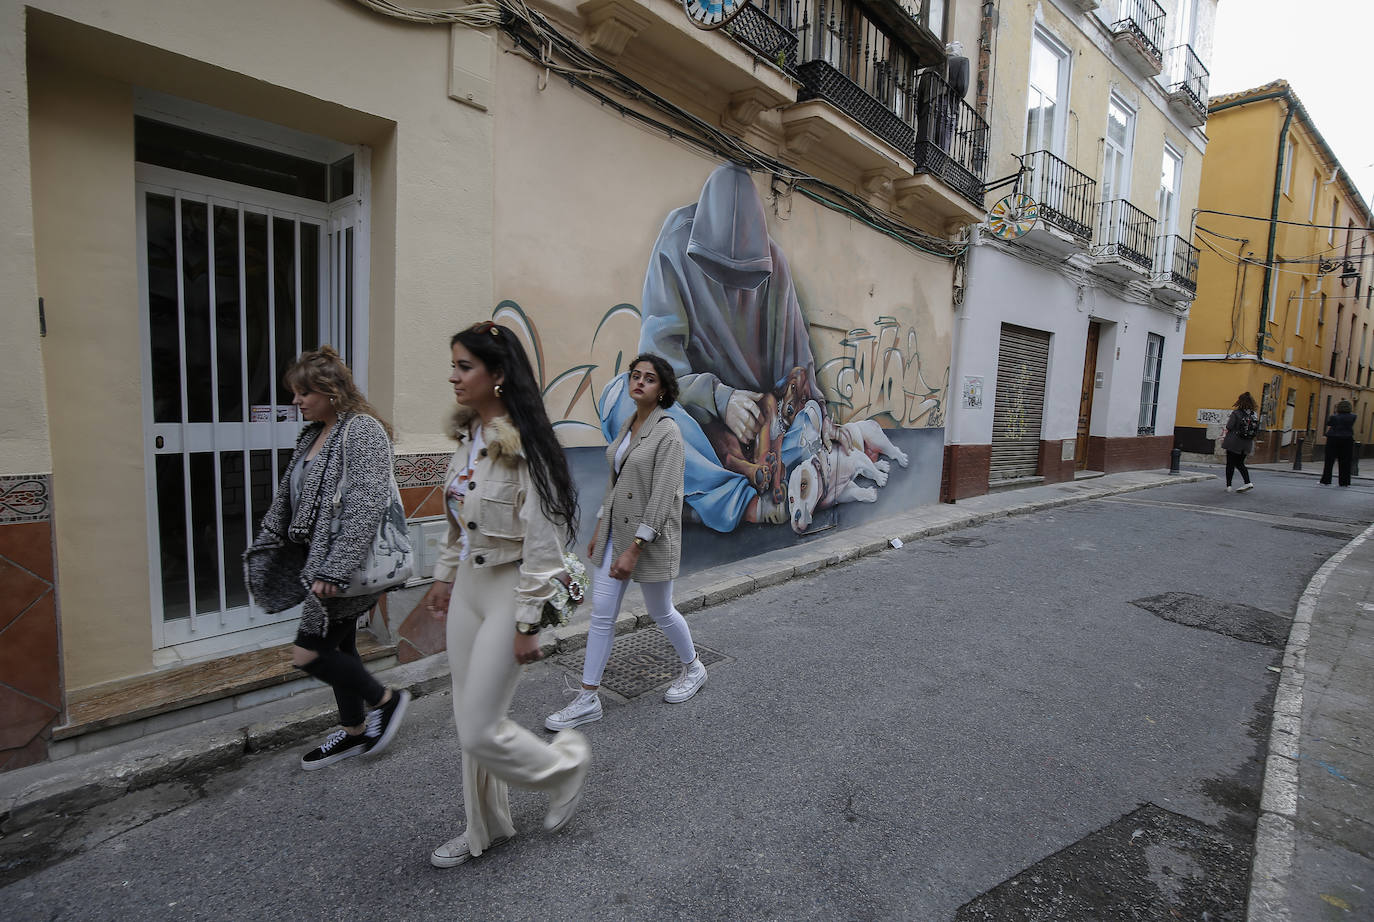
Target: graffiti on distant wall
773, 436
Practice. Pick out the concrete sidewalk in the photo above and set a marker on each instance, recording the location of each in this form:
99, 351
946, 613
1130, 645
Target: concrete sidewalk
52, 789
1314, 846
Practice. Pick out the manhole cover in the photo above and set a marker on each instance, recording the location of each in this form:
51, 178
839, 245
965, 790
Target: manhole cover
639, 662
1149, 865
1243, 622
959, 541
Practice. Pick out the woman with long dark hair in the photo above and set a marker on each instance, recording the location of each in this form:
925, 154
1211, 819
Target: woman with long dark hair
510, 500
639, 537
1242, 427
301, 545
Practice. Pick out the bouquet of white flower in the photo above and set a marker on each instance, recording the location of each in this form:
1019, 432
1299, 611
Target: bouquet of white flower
569, 591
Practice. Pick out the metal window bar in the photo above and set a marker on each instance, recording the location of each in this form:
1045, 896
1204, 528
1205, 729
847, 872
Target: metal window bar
951, 138
769, 27
1145, 20
1065, 196
245, 412
212, 307
1188, 76
1125, 231
185, 419
853, 63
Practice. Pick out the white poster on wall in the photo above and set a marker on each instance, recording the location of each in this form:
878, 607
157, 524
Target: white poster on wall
973, 392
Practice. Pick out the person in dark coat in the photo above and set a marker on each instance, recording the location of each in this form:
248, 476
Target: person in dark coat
1242, 426
1340, 443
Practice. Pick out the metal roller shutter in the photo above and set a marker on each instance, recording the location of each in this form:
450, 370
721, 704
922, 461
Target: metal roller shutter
1022, 363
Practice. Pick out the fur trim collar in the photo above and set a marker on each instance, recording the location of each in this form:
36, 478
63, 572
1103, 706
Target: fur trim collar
503, 439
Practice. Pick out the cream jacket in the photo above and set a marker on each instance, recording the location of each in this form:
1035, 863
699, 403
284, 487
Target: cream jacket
502, 516
646, 498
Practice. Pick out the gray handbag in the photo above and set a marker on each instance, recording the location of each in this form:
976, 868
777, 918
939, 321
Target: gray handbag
389, 561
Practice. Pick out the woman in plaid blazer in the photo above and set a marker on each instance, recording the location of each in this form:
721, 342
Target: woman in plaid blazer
639, 537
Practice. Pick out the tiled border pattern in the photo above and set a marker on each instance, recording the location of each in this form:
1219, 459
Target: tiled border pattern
420, 470
28, 498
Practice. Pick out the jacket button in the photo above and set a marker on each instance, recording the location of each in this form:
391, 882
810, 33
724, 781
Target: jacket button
627, 520
482, 453
472, 526
629, 496
472, 484
479, 560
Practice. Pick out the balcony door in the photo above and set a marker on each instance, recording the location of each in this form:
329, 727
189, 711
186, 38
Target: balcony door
237, 279
1116, 163
1048, 95
1170, 181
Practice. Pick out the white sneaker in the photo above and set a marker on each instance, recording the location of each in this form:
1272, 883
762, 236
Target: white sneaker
688, 684
1230, 489
585, 708
1245, 486
455, 851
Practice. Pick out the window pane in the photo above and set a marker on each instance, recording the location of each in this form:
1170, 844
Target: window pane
210, 155
171, 526
310, 285
234, 501
228, 332
205, 521
195, 289
284, 285
164, 334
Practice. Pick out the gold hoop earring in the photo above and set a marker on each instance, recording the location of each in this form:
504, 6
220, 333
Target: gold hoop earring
498, 390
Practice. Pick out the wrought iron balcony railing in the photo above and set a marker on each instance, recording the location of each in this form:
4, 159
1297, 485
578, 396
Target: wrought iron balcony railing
857, 65
1125, 232
770, 28
1188, 76
1145, 20
1176, 261
1066, 197
952, 139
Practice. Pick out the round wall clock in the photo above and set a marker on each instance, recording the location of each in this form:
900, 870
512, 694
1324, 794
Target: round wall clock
712, 14
1013, 216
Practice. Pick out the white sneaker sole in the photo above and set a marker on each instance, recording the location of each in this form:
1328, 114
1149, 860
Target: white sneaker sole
330, 760
452, 861
680, 695
389, 733
557, 725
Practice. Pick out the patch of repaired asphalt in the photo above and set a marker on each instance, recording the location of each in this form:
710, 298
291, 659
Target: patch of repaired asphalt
1149, 866
1243, 622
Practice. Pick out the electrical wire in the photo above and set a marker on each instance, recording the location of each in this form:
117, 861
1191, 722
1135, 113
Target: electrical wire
1250, 217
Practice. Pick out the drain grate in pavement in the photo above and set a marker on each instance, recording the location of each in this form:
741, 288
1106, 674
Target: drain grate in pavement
1150, 864
1243, 622
639, 662
963, 541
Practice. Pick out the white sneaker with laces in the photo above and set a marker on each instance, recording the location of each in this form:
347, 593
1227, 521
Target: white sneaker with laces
1245, 486
585, 708
688, 684
455, 851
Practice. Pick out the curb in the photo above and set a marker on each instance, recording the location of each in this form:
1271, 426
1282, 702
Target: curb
1275, 833
79, 788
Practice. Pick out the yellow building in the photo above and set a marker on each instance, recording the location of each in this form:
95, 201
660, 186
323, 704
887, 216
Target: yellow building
1283, 304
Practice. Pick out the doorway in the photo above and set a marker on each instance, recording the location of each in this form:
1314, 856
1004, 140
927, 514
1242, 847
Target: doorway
1085, 399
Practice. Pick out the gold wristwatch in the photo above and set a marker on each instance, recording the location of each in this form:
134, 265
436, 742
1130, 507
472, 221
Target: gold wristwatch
640, 542
527, 629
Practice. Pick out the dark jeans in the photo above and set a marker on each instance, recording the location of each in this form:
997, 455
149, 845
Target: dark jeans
341, 668
1235, 461
1339, 450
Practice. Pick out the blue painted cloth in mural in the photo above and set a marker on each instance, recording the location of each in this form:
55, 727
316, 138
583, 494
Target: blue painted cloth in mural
718, 496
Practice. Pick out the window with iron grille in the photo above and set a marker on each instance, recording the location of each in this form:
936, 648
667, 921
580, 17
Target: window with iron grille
1149, 385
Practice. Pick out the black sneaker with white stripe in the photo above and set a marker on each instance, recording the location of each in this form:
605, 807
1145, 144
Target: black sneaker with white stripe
385, 720
338, 746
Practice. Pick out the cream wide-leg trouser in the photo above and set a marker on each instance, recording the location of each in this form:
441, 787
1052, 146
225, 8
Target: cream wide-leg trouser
497, 752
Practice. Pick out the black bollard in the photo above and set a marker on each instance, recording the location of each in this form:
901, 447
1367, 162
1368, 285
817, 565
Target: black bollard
1297, 456
1174, 457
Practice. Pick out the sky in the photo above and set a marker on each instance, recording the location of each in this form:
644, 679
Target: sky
1322, 48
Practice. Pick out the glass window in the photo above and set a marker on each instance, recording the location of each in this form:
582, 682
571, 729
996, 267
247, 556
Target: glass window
1288, 167
1116, 173
1047, 96
161, 144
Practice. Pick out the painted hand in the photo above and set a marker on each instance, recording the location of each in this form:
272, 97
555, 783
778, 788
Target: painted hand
743, 416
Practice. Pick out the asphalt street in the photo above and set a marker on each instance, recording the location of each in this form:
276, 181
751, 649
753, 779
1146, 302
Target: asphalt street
1061, 715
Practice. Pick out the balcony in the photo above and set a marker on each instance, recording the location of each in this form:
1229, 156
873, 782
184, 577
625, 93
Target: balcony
1175, 279
769, 27
1125, 241
1065, 197
1187, 85
1139, 33
952, 140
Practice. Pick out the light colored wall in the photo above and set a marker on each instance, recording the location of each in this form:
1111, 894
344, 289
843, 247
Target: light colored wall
431, 243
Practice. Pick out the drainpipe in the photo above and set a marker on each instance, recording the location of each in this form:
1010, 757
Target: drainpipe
1286, 95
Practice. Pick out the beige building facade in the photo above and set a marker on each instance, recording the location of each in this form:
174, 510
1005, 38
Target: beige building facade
201, 190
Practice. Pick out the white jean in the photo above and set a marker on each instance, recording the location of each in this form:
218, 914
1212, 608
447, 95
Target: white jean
497, 751
607, 594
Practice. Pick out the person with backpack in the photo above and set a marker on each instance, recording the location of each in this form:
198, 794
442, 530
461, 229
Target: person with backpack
1242, 428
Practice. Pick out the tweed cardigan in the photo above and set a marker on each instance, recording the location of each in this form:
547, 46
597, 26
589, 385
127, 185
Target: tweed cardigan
295, 546
503, 516
647, 492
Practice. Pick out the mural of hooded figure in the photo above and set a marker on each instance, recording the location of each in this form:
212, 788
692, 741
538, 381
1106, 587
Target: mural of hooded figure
719, 304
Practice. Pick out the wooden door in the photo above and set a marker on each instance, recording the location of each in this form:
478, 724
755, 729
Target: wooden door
1085, 400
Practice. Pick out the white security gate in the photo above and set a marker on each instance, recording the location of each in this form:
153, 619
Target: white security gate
1018, 409
237, 282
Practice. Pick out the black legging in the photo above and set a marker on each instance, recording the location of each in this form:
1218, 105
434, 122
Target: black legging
1235, 461
1339, 449
341, 668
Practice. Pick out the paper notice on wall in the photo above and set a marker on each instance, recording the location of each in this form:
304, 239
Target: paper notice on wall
973, 392
266, 413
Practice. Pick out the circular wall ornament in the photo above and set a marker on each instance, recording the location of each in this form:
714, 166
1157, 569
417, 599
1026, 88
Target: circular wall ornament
712, 14
1013, 216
